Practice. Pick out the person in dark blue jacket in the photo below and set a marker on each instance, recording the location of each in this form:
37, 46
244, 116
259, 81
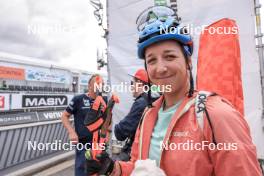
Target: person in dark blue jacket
126, 128
79, 106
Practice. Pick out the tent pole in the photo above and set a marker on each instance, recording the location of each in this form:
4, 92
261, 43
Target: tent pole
107, 43
108, 70
260, 47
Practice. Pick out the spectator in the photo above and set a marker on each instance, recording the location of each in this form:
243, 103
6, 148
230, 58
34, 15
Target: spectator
126, 128
79, 107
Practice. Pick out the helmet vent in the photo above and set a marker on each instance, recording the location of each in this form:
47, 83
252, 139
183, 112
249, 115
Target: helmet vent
163, 20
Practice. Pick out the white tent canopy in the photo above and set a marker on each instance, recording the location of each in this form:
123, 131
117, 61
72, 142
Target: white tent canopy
123, 40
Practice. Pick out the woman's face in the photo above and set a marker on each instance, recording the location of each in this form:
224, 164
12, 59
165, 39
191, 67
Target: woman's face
166, 65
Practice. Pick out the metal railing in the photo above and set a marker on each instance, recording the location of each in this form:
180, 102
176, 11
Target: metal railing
14, 146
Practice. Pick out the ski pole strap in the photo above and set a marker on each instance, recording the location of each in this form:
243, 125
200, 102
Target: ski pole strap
94, 117
99, 104
95, 125
100, 125
95, 145
108, 115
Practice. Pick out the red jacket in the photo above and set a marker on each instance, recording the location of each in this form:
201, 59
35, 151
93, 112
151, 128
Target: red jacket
229, 128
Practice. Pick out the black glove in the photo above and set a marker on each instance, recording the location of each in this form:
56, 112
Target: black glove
104, 166
93, 120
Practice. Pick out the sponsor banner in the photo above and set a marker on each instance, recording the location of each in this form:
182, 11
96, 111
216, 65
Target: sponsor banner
46, 76
50, 115
22, 101
84, 79
29, 117
4, 102
29, 101
13, 119
12, 73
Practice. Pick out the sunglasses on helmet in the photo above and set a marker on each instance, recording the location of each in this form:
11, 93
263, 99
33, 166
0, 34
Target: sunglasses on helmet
152, 14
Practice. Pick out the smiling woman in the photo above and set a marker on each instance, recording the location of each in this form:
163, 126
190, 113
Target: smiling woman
167, 61
169, 67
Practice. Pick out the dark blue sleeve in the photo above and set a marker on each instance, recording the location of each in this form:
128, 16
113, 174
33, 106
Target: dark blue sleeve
127, 126
72, 107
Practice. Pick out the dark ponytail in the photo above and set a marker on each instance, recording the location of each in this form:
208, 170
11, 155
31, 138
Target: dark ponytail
191, 90
149, 99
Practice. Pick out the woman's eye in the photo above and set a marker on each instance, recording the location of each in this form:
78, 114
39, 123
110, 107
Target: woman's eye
151, 61
170, 57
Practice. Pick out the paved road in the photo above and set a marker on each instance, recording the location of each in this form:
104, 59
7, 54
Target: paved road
63, 169
66, 172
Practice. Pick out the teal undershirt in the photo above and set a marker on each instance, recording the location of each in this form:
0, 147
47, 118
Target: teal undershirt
159, 132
